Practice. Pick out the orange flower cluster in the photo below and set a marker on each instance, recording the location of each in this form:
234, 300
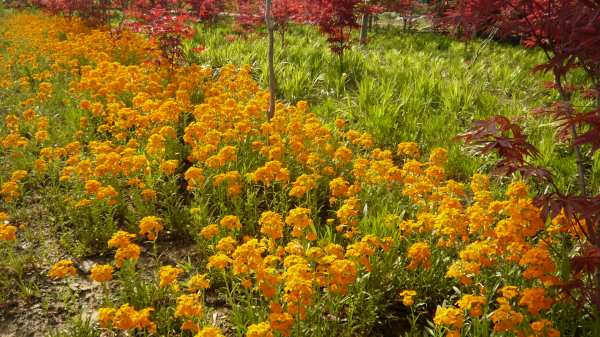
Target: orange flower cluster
62, 269
126, 318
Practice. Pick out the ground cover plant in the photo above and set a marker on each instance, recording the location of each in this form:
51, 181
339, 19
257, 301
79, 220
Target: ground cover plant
146, 191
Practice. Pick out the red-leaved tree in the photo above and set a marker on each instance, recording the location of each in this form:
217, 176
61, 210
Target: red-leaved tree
169, 28
94, 12
336, 19
568, 32
207, 10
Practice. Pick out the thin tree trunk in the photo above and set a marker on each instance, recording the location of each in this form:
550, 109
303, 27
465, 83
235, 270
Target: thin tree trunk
598, 96
564, 96
364, 30
271, 56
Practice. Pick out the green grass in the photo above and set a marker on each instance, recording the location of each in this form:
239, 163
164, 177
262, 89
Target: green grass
405, 86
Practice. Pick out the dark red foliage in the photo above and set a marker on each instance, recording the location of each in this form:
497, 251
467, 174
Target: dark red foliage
476, 17
250, 13
499, 135
286, 11
168, 27
336, 19
207, 10
588, 261
95, 12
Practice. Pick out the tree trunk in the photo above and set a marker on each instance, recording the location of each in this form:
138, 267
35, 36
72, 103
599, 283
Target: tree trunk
598, 96
271, 56
565, 97
364, 29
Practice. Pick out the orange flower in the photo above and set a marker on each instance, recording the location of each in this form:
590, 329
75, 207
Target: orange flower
129, 252
407, 297
419, 255
473, 304
231, 222
188, 306
198, 282
62, 269
8, 232
120, 239
150, 226
101, 273
167, 275
262, 329
271, 225
209, 231
535, 300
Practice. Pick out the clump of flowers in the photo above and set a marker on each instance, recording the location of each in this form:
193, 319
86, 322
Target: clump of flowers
419, 255
167, 275
62, 269
127, 318
150, 226
101, 273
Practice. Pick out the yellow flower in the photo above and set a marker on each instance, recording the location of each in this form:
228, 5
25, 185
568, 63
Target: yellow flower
340, 123
271, 225
8, 232
120, 239
281, 322
299, 219
62, 269
342, 273
18, 175
188, 306
210, 332
463, 270
543, 328
167, 275
343, 154
127, 318
505, 319
451, 318
408, 149
407, 297
438, 156
148, 194
219, 261
105, 316
509, 292
92, 186
209, 231
419, 255
194, 177
150, 226
535, 300
198, 282
338, 188
262, 329
101, 273
231, 222
517, 190
169, 167
474, 304
129, 252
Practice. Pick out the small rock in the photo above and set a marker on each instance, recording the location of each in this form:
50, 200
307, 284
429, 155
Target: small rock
86, 266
